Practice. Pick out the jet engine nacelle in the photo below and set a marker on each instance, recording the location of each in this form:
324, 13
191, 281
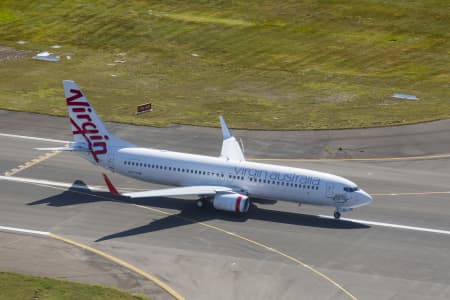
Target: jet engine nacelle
231, 202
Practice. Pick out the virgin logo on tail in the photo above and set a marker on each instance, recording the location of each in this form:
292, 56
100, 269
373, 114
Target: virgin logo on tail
84, 125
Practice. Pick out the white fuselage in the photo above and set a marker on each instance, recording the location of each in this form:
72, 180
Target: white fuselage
228, 181
257, 180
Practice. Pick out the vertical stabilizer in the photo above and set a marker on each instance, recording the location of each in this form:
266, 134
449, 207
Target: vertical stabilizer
87, 128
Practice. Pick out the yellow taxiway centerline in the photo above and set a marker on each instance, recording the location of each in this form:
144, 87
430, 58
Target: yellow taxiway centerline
297, 261
118, 261
31, 163
293, 259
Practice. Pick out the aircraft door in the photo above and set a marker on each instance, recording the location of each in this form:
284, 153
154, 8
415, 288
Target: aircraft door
330, 190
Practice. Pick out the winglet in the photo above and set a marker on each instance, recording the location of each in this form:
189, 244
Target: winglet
225, 131
230, 147
112, 189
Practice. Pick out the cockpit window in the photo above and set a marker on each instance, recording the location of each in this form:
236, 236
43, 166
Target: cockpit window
351, 189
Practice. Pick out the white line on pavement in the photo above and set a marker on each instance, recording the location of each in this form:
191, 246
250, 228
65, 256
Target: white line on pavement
33, 138
14, 229
398, 226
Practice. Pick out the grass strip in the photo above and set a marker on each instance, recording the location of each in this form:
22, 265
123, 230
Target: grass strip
17, 286
263, 64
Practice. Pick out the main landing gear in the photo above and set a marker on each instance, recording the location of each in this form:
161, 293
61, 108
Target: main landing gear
202, 202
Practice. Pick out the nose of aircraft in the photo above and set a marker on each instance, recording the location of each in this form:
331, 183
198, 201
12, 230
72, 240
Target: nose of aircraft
363, 198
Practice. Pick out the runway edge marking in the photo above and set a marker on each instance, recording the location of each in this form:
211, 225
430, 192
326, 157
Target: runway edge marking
118, 261
33, 138
297, 261
391, 225
22, 230
114, 259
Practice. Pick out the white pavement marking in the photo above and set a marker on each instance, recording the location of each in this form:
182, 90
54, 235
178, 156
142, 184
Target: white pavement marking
14, 229
52, 183
102, 189
423, 229
238, 236
33, 138
101, 253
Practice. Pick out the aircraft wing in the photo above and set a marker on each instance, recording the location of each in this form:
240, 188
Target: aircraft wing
230, 146
206, 190
180, 191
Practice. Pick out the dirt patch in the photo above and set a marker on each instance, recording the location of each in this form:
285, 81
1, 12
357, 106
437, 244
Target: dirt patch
11, 54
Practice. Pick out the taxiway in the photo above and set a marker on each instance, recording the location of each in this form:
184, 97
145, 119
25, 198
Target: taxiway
396, 248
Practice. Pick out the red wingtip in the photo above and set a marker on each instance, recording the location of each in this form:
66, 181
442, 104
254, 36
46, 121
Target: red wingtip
112, 189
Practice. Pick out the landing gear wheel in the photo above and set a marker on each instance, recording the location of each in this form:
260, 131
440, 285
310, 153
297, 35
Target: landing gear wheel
337, 215
200, 203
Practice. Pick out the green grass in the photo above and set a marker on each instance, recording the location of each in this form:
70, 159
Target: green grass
16, 286
264, 65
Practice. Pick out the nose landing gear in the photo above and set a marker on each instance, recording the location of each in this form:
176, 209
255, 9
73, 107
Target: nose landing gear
338, 211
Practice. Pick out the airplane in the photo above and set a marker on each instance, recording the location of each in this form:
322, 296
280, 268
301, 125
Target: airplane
228, 182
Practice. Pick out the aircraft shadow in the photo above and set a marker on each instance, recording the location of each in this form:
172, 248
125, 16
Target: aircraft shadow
79, 193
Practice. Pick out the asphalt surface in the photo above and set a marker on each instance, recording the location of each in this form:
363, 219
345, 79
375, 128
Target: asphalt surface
43, 256
275, 251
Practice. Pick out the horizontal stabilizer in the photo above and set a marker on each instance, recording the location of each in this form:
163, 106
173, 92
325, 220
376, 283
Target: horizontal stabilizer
76, 147
63, 149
